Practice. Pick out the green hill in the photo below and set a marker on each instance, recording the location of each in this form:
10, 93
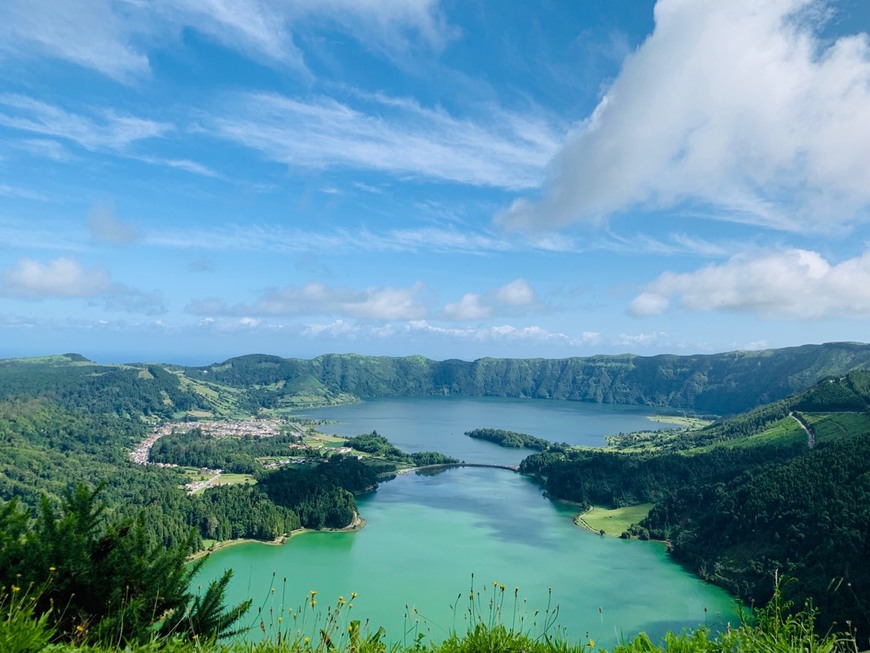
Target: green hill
784, 487
720, 384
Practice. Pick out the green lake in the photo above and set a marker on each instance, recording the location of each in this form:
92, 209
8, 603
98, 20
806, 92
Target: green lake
430, 538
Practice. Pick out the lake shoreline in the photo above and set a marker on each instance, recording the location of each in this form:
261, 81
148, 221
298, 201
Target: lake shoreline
357, 524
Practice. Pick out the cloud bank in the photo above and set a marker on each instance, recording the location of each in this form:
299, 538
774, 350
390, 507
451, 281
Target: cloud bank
795, 283
319, 299
737, 109
67, 278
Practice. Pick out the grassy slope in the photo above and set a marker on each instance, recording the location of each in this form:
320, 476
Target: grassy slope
614, 521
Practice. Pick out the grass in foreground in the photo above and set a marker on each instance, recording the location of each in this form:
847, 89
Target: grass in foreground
492, 627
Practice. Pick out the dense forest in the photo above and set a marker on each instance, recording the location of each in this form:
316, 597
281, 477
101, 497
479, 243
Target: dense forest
783, 487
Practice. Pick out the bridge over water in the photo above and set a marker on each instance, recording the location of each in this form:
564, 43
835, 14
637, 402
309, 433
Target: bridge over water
512, 468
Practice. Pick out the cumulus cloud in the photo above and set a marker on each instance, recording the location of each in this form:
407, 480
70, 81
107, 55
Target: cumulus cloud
512, 298
67, 278
105, 226
794, 283
61, 277
738, 108
320, 299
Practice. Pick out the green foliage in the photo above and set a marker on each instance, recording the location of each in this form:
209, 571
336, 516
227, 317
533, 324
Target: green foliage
237, 455
718, 384
22, 628
753, 498
322, 496
377, 445
102, 580
513, 439
495, 623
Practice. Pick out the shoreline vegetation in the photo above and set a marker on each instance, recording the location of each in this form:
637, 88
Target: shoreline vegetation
357, 524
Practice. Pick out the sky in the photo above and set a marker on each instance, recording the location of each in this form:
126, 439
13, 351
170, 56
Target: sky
190, 180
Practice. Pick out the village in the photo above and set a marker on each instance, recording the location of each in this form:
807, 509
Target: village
260, 428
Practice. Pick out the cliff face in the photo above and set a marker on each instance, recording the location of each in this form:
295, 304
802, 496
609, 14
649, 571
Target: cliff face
724, 383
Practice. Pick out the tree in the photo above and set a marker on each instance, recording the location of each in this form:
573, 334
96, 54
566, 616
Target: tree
107, 581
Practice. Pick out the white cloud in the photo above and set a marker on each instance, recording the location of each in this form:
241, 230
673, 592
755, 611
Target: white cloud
389, 134
104, 130
467, 308
738, 107
639, 339
516, 293
512, 298
14, 192
276, 237
319, 299
88, 33
504, 333
66, 278
105, 226
45, 148
794, 283
61, 277
115, 38
181, 164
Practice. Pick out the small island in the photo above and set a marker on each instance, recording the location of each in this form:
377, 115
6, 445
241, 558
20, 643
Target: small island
511, 439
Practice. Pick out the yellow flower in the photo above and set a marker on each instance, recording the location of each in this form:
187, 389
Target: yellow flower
591, 643
15, 588
353, 595
80, 628
52, 569
313, 593
307, 639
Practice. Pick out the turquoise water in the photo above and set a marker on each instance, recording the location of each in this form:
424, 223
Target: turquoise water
427, 536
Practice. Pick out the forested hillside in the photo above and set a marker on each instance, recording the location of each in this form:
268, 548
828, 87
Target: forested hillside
784, 487
720, 383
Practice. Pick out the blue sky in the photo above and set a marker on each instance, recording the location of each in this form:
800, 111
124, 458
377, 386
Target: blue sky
188, 180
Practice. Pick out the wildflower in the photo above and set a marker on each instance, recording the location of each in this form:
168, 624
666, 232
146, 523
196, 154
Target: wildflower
307, 639
591, 643
52, 568
501, 587
80, 629
15, 588
353, 595
313, 593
